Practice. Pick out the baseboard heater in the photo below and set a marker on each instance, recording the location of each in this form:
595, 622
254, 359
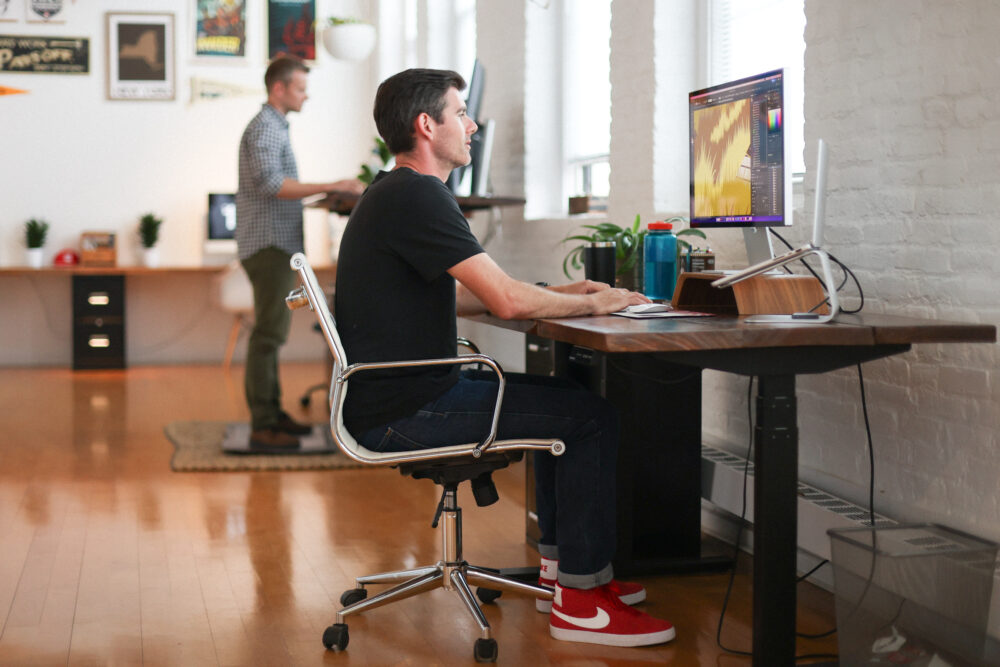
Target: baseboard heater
818, 511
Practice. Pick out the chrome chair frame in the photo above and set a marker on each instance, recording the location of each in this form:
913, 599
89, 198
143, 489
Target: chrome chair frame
452, 572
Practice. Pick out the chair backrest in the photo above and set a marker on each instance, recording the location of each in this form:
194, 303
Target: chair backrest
233, 288
342, 371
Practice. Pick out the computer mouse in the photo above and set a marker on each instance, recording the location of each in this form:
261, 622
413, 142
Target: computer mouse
649, 308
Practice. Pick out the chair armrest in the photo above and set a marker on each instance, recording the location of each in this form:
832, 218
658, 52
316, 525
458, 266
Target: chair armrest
460, 360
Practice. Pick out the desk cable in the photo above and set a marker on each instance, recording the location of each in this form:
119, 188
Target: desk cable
742, 522
847, 273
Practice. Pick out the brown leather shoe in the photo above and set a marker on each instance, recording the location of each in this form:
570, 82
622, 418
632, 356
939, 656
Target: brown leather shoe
288, 425
271, 439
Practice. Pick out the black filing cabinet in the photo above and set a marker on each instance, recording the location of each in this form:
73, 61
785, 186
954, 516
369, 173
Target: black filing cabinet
98, 321
659, 459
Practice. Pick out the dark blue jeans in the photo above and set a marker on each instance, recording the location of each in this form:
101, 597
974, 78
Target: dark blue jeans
575, 491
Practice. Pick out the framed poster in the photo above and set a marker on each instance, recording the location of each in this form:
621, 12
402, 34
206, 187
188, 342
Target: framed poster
141, 56
291, 28
48, 55
46, 11
11, 10
220, 29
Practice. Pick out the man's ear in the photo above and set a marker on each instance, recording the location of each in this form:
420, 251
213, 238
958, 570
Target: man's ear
423, 126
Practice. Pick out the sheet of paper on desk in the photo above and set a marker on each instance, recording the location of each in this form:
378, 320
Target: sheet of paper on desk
665, 313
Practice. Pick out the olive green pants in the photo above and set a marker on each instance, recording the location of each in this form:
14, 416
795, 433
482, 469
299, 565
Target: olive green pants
272, 279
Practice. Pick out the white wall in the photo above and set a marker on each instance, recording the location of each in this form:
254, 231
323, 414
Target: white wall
906, 93
82, 162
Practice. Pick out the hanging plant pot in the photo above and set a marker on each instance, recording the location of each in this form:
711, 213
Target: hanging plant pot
349, 41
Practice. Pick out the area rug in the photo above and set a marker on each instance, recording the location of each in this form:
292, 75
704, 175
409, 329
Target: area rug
203, 445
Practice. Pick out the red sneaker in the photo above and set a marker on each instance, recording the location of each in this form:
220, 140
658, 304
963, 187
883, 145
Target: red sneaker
598, 616
627, 592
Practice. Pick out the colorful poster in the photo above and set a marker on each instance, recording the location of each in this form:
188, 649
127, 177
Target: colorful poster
44, 55
220, 28
291, 28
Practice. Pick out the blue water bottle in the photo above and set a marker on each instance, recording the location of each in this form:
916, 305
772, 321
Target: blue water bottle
661, 261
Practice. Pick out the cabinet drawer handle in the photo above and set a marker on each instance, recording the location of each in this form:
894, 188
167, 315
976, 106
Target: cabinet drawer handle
98, 299
99, 340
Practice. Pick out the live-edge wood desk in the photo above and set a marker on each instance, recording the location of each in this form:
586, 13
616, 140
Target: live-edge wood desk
775, 354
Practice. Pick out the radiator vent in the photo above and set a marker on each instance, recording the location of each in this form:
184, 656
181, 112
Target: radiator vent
818, 511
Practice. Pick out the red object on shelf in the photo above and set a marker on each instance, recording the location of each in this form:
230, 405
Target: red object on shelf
66, 257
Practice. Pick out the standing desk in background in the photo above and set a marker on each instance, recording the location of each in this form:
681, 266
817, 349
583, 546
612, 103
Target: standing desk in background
775, 353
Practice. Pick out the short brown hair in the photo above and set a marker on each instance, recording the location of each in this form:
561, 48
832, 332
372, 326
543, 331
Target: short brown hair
404, 96
281, 69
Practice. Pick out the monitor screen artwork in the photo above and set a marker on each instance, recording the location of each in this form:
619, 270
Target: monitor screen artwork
739, 175
221, 216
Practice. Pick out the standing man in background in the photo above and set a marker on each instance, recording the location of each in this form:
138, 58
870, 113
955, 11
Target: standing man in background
268, 232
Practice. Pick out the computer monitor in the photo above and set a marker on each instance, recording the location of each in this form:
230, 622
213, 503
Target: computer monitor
220, 232
739, 173
471, 179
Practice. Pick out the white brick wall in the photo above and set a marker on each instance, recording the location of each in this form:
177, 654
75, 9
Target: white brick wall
906, 93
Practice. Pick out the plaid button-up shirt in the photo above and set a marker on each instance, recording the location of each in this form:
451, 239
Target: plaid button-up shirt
266, 160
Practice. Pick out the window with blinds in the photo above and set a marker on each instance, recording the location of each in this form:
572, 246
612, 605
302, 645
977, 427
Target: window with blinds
747, 37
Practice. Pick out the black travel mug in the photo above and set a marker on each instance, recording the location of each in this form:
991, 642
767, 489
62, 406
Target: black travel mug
599, 261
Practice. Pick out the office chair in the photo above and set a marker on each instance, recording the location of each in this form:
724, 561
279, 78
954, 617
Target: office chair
235, 295
446, 466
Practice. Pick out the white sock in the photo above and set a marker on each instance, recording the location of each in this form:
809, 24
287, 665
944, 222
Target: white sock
549, 569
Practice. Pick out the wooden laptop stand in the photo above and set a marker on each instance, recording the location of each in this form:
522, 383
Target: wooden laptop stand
770, 293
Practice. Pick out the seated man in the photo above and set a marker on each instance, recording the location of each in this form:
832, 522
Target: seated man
404, 248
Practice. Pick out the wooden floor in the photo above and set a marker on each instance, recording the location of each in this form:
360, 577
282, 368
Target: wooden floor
107, 557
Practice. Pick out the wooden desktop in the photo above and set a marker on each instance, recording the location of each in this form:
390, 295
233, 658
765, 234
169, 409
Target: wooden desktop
775, 354
342, 203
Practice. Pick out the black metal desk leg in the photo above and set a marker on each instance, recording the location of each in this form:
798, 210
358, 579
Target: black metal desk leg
774, 531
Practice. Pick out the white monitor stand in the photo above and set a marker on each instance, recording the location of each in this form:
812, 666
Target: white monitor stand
758, 244
812, 248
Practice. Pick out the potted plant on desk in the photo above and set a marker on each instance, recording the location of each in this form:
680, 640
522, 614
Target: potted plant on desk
629, 263
149, 234
35, 232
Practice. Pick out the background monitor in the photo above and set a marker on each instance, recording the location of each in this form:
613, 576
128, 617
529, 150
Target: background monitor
220, 232
221, 216
471, 179
739, 174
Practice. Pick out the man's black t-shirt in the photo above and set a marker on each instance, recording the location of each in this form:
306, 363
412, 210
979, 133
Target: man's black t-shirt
395, 300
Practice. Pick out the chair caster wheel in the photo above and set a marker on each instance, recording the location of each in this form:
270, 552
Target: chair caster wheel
487, 595
486, 650
354, 595
335, 637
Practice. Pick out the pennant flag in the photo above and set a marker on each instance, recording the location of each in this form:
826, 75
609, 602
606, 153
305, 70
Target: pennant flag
205, 90
4, 90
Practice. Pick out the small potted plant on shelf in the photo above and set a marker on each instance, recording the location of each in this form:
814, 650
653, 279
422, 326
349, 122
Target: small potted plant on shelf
149, 234
348, 38
628, 249
35, 232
